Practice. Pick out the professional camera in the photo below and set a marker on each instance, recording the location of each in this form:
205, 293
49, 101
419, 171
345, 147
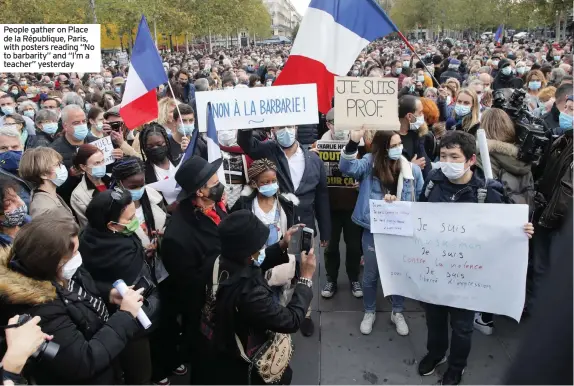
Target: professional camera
531, 132
46, 350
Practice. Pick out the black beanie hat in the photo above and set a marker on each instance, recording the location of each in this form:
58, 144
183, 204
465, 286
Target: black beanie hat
241, 235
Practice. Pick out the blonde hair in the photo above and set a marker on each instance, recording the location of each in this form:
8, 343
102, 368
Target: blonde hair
164, 115
546, 93
498, 126
471, 119
38, 162
540, 76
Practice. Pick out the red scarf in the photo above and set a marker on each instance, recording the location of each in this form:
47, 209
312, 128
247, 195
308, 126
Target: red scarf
212, 213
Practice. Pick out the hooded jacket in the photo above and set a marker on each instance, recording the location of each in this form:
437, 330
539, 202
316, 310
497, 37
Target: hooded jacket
515, 175
506, 81
88, 344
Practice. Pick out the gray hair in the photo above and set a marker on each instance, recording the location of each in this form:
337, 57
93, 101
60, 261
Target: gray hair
9, 132
46, 115
72, 98
485, 70
25, 104
557, 74
429, 90
476, 82
69, 109
201, 84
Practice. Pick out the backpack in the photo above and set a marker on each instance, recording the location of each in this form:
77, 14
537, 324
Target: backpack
519, 189
481, 192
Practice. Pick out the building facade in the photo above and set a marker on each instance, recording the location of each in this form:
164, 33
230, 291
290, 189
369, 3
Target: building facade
284, 17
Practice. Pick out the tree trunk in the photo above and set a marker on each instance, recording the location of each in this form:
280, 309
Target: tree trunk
210, 47
186, 43
155, 32
564, 24
558, 17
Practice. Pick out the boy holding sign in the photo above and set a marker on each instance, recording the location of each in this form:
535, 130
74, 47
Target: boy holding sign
455, 182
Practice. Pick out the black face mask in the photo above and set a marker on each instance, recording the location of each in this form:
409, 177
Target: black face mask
216, 192
156, 154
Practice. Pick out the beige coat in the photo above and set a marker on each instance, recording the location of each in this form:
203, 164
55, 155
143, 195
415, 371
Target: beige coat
44, 203
81, 197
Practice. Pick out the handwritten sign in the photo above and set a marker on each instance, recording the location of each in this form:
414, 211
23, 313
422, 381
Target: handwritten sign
471, 256
369, 102
250, 108
106, 146
330, 153
391, 218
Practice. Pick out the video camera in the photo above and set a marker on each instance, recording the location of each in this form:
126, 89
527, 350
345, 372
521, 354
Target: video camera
531, 132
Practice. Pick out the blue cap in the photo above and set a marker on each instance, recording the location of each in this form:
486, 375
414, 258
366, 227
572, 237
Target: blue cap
454, 62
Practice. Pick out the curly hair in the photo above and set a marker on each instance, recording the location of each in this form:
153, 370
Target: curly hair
260, 166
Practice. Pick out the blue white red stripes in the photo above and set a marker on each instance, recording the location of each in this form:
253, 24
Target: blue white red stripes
139, 102
331, 36
213, 150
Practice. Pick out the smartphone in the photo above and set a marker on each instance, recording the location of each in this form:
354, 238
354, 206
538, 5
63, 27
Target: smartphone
147, 285
306, 239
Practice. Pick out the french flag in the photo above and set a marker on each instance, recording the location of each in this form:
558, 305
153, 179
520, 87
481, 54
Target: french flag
498, 34
331, 36
213, 150
139, 103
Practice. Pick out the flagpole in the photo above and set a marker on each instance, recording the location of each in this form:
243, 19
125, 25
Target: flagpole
416, 54
176, 104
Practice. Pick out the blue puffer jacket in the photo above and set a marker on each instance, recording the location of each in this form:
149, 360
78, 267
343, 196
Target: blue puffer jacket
409, 184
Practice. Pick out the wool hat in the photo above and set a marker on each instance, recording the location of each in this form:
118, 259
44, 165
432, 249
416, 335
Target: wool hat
241, 235
193, 174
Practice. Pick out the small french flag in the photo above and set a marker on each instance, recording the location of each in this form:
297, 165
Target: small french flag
139, 103
331, 36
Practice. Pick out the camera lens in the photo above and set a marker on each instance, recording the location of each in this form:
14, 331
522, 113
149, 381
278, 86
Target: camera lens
46, 350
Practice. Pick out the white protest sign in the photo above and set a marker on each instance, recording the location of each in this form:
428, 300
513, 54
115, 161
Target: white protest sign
369, 102
391, 218
106, 146
50, 48
471, 256
250, 108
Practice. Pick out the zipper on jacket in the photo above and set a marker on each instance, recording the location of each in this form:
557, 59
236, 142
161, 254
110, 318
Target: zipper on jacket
459, 193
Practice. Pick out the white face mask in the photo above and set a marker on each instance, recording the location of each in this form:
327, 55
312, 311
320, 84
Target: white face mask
70, 268
340, 135
453, 170
418, 123
227, 137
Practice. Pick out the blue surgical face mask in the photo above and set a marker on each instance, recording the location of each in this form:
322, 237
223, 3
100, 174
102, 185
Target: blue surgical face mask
29, 113
7, 110
80, 132
396, 152
506, 70
137, 193
185, 129
61, 175
556, 58
461, 110
269, 190
285, 137
398, 70
534, 84
10, 160
99, 171
49, 127
565, 121
260, 258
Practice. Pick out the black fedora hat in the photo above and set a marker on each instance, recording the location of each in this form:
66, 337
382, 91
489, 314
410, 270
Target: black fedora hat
194, 174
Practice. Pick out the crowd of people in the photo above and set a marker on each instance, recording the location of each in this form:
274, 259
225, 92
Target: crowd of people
213, 263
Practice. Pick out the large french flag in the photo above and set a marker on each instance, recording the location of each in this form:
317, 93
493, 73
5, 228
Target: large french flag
213, 150
139, 103
498, 34
331, 36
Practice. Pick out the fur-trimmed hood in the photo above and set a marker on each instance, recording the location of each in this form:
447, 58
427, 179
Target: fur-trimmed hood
504, 156
16, 288
247, 191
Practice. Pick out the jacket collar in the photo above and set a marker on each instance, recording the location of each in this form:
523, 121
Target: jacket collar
15, 288
248, 191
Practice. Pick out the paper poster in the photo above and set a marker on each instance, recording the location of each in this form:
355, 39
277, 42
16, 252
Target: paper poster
330, 153
471, 256
106, 146
391, 218
258, 107
369, 102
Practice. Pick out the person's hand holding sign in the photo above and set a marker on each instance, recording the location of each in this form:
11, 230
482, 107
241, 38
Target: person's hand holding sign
356, 135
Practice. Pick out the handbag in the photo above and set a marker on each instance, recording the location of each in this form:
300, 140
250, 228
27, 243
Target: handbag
272, 358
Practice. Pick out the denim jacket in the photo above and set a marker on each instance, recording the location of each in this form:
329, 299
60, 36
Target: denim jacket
409, 185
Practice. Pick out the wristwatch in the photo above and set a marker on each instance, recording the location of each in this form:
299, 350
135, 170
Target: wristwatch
305, 281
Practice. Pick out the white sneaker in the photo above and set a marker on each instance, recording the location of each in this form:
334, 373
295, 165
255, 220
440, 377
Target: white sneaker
485, 328
367, 323
399, 321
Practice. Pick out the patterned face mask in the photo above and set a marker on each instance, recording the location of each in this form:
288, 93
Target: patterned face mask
15, 218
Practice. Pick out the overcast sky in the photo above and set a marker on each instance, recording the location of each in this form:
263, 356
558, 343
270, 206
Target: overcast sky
301, 5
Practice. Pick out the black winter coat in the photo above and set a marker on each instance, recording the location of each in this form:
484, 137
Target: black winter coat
307, 134
552, 118
40, 139
245, 306
88, 345
288, 202
505, 81
313, 193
